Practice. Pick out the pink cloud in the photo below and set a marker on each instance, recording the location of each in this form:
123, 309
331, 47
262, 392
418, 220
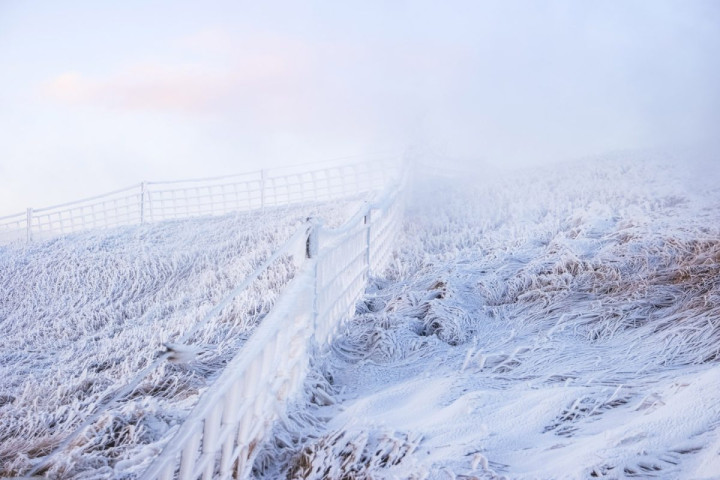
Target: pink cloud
69, 87
273, 82
258, 73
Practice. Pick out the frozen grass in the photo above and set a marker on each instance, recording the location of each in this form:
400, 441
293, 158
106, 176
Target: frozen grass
554, 323
81, 315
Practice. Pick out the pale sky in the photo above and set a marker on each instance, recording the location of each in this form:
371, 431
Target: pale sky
97, 95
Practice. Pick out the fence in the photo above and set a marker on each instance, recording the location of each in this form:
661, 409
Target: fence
157, 201
223, 433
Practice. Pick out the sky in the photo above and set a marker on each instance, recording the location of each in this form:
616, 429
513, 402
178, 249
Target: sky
96, 96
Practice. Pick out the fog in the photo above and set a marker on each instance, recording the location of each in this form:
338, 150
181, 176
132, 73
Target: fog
96, 97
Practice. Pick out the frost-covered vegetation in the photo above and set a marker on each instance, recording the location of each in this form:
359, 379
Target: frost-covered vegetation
115, 330
561, 322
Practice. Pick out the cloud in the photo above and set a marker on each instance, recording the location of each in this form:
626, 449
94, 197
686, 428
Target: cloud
169, 89
256, 74
70, 87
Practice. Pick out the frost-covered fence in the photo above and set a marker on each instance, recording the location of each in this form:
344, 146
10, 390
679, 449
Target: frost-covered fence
347, 255
157, 201
225, 430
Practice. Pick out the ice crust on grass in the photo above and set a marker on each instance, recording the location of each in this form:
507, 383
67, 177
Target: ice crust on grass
81, 315
561, 322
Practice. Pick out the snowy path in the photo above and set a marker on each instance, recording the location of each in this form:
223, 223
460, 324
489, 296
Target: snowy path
81, 315
562, 323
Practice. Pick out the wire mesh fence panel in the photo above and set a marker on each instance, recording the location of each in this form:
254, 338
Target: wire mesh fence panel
199, 200
385, 227
111, 210
341, 274
13, 228
158, 201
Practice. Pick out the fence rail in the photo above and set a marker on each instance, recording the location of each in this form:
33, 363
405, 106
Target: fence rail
224, 431
158, 201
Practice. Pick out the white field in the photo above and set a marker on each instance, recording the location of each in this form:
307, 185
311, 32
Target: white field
81, 315
559, 322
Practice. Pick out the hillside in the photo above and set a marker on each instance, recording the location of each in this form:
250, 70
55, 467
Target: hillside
557, 322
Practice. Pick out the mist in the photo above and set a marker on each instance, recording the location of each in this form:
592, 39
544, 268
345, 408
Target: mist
99, 97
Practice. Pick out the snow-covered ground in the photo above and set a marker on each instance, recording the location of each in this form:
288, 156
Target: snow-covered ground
82, 315
561, 322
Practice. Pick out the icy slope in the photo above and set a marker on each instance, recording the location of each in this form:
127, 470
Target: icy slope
81, 315
557, 323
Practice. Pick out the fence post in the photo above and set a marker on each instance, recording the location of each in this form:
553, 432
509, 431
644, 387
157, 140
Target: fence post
311, 251
311, 244
367, 220
142, 203
262, 189
29, 225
